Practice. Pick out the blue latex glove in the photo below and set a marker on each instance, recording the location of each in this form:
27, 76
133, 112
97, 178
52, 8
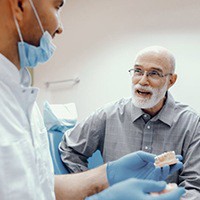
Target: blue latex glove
135, 189
139, 165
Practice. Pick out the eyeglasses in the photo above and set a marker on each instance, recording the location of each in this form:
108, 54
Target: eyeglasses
152, 74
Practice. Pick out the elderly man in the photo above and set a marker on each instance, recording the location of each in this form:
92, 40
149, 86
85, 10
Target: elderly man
27, 28
151, 121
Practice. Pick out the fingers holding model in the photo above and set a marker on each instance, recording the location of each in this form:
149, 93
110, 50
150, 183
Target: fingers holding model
134, 189
138, 165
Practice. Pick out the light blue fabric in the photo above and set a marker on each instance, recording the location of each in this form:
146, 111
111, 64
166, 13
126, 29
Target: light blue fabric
54, 123
138, 165
133, 189
54, 140
31, 55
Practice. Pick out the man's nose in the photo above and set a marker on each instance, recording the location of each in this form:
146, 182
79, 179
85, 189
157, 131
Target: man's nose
144, 79
60, 29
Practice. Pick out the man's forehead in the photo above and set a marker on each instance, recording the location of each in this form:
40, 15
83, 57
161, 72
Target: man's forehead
152, 61
157, 55
151, 58
149, 66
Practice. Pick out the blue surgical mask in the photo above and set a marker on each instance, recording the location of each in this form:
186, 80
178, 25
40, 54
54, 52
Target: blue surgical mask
31, 55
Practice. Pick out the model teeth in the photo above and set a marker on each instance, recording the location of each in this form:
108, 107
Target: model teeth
168, 158
170, 187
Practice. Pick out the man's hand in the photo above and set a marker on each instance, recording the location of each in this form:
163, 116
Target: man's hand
132, 189
139, 165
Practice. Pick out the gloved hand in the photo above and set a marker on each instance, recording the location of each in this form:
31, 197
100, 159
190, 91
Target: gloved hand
138, 165
133, 189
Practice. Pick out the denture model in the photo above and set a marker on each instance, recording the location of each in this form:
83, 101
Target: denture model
168, 158
169, 188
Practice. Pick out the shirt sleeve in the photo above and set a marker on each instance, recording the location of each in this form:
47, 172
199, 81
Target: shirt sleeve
190, 175
79, 143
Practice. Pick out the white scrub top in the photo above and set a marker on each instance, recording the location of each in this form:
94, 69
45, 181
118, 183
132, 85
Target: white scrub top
26, 170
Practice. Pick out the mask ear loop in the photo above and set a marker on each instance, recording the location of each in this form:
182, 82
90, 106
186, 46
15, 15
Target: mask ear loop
36, 15
20, 37
18, 29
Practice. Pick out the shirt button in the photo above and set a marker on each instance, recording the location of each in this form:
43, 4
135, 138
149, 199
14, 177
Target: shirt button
148, 127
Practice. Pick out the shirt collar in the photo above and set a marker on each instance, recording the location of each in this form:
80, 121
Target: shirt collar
165, 115
167, 112
9, 72
25, 77
136, 112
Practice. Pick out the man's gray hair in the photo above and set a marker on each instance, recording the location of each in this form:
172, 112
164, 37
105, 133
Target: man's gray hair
160, 51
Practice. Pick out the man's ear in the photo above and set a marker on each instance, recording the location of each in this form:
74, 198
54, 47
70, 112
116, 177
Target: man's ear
17, 7
172, 80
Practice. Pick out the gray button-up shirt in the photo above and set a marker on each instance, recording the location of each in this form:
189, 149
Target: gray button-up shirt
121, 128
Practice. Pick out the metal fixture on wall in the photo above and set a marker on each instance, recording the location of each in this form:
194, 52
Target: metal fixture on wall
73, 80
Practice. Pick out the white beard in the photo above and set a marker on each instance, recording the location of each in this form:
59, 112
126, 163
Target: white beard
145, 103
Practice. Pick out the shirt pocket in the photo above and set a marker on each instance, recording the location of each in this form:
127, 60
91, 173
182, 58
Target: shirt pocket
17, 180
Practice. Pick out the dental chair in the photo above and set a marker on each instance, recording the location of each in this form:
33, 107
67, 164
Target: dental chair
59, 167
54, 140
58, 118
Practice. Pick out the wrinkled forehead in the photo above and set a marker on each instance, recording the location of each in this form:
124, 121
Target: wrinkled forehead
154, 59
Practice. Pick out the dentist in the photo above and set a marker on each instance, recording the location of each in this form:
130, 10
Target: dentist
27, 29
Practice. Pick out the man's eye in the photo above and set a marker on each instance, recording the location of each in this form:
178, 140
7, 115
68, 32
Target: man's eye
154, 73
137, 71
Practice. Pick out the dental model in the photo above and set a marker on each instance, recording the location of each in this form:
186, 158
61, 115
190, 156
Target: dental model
169, 188
168, 158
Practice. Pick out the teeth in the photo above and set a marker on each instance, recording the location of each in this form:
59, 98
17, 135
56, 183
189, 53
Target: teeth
166, 158
143, 92
170, 187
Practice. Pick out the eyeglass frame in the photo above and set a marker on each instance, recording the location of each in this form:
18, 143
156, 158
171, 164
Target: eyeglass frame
148, 73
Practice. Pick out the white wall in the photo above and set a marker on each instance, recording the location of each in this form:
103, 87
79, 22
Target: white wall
100, 41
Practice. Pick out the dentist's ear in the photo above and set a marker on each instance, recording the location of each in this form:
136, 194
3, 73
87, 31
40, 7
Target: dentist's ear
18, 8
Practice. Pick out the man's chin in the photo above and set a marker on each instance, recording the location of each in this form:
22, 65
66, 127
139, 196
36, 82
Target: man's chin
142, 103
142, 106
